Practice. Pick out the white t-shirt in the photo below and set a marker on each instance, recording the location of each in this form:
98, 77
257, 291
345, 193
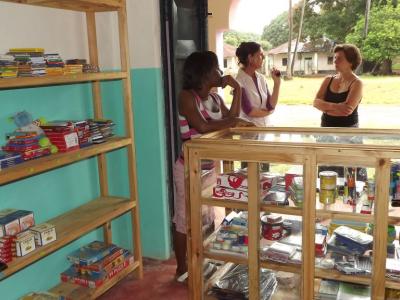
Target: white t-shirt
253, 97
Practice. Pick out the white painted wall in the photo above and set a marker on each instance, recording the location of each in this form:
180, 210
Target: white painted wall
321, 62
65, 32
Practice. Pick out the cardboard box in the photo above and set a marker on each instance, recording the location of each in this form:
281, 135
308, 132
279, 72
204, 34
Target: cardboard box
25, 243
238, 180
44, 233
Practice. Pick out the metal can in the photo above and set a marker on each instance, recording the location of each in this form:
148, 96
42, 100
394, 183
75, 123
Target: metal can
327, 180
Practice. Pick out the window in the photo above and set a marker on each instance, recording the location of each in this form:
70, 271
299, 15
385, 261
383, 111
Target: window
284, 61
225, 63
330, 60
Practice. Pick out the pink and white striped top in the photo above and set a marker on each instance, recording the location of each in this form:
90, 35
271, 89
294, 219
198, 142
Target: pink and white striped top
188, 132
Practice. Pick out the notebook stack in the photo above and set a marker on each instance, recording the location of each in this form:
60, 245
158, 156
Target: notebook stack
8, 66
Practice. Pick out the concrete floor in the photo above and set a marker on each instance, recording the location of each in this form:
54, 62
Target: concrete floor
158, 283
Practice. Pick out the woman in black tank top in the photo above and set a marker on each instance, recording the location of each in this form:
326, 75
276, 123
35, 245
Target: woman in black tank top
339, 95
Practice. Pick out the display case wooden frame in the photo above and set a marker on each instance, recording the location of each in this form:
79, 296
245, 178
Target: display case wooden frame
101, 211
233, 145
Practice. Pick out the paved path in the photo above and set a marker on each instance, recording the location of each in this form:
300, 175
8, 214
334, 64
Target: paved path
371, 116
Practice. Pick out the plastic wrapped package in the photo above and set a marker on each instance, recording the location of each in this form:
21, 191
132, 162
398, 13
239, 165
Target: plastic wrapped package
234, 284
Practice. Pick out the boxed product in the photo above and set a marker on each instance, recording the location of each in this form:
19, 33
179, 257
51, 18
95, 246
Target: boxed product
26, 219
42, 296
9, 226
238, 180
25, 243
91, 253
233, 194
44, 233
94, 280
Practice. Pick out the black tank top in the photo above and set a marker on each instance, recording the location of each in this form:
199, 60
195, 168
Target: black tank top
333, 121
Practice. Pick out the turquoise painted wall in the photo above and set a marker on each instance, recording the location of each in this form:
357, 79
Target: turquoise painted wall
57, 191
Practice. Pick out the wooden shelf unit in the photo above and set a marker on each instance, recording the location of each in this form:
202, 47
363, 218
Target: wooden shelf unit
73, 224
53, 161
46, 80
275, 145
76, 5
100, 212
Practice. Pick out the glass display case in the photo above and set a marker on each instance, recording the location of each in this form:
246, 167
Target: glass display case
302, 213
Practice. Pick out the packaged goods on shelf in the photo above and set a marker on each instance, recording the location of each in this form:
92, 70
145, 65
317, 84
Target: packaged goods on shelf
352, 291
44, 233
90, 253
104, 264
8, 66
25, 243
354, 239
13, 221
328, 290
95, 274
234, 284
7, 249
100, 130
279, 252
238, 180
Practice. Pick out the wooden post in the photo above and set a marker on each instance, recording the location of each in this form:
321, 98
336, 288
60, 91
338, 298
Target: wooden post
380, 228
129, 131
194, 225
254, 230
98, 113
308, 235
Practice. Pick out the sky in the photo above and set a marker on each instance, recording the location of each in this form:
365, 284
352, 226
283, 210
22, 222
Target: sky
253, 15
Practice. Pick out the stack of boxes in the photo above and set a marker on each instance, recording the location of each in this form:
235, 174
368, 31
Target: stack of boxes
19, 235
28, 145
62, 134
96, 263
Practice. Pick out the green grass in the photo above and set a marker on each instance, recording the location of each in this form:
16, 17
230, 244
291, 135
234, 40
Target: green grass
377, 90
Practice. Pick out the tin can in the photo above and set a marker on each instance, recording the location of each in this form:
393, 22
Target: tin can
327, 196
328, 180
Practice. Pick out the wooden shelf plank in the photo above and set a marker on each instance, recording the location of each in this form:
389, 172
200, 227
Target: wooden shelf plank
76, 5
392, 284
237, 259
292, 268
224, 203
53, 161
336, 275
10, 83
73, 224
76, 292
286, 210
347, 216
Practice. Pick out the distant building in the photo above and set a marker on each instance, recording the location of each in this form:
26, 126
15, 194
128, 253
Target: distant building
313, 57
230, 62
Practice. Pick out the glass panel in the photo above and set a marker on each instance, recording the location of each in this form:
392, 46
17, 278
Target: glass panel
393, 247
346, 189
230, 238
314, 138
331, 290
231, 282
343, 247
288, 287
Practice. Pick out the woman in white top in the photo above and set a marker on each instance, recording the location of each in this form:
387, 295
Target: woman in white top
257, 101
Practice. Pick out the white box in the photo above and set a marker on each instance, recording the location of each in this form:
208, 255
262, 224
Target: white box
44, 233
25, 243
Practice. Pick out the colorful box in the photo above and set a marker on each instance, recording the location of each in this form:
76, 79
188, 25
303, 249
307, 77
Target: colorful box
44, 233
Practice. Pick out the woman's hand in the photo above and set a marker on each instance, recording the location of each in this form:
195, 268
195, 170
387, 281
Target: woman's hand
276, 75
228, 80
243, 123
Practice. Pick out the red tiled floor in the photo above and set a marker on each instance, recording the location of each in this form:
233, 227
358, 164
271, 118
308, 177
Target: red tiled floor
158, 283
